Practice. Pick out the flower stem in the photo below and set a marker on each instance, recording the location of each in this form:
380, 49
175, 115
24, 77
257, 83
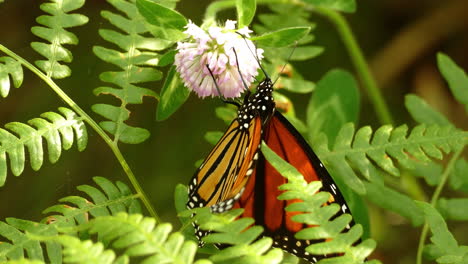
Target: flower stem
113, 145
435, 197
362, 68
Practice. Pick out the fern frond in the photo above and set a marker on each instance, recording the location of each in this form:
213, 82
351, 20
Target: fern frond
444, 247
19, 238
54, 31
9, 67
58, 130
78, 251
331, 234
245, 248
136, 58
387, 146
110, 200
281, 18
139, 236
16, 244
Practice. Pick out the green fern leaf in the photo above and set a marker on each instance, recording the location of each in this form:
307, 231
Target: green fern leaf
78, 251
75, 210
443, 242
297, 27
139, 236
15, 242
136, 60
53, 30
456, 78
387, 147
245, 248
423, 113
280, 19
58, 130
9, 67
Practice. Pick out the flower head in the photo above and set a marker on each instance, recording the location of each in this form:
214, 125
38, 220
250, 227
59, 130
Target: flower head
214, 49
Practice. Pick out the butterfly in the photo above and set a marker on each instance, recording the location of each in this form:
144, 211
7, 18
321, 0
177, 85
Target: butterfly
236, 175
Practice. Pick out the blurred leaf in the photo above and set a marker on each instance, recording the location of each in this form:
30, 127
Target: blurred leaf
454, 209
456, 78
173, 95
443, 241
167, 3
296, 85
394, 201
297, 123
348, 6
283, 37
431, 172
213, 137
226, 113
169, 34
458, 179
334, 103
424, 113
160, 15
245, 12
167, 58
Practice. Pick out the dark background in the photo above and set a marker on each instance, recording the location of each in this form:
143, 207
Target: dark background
399, 38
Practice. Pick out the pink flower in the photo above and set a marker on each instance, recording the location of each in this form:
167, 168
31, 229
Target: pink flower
215, 47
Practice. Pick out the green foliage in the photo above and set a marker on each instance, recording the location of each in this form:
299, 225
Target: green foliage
110, 200
283, 37
456, 78
339, 5
387, 147
244, 246
58, 130
16, 244
336, 239
335, 102
444, 247
54, 31
423, 113
9, 67
41, 241
78, 251
136, 60
173, 95
281, 19
245, 12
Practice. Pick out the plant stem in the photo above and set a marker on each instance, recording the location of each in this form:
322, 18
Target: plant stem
362, 68
93, 125
435, 197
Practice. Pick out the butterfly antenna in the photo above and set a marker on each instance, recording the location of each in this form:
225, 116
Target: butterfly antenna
255, 55
219, 91
240, 74
284, 66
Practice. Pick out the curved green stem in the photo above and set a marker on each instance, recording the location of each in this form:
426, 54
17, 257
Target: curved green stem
362, 68
435, 197
93, 125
